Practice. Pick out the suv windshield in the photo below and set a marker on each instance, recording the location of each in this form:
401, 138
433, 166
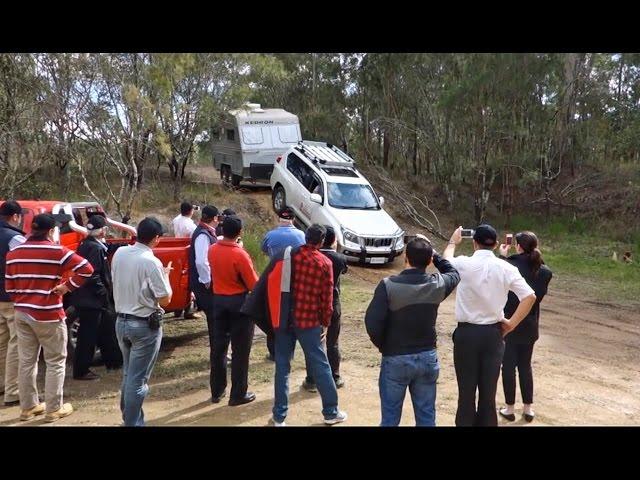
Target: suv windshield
352, 196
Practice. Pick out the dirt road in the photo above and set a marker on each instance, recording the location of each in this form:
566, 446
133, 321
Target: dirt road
586, 368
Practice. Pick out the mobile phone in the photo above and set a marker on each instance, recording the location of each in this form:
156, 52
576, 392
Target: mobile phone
196, 207
467, 232
509, 240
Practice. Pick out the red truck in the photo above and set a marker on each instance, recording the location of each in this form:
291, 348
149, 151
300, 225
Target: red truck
72, 232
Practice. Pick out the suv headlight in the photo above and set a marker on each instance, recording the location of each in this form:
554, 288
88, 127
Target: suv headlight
399, 241
350, 237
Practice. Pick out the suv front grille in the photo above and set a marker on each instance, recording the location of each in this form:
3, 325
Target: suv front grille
378, 242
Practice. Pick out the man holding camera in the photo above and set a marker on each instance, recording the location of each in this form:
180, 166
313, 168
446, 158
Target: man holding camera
401, 322
140, 288
478, 345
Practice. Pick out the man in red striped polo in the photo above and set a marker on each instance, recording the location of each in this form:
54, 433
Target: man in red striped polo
33, 279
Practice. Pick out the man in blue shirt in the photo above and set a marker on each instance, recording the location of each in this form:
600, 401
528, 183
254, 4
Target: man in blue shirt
283, 236
274, 242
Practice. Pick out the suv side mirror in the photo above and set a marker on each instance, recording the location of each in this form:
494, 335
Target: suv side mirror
381, 201
315, 198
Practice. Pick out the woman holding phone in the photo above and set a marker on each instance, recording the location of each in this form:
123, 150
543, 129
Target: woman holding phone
519, 343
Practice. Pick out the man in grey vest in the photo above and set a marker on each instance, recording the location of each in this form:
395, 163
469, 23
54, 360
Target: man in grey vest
401, 322
10, 237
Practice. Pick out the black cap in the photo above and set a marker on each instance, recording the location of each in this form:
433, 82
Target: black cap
95, 222
43, 221
10, 207
286, 214
228, 211
209, 211
486, 235
231, 226
149, 228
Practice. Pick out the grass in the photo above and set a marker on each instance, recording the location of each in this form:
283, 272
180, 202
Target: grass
580, 256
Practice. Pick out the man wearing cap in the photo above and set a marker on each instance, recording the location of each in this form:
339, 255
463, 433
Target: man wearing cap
94, 304
33, 275
478, 345
283, 236
199, 269
225, 213
233, 278
140, 289
274, 242
10, 237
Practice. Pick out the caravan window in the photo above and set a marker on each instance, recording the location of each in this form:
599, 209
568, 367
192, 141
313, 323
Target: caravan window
288, 133
252, 135
231, 134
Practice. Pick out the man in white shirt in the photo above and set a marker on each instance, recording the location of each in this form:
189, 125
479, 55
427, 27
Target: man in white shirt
478, 345
183, 225
140, 288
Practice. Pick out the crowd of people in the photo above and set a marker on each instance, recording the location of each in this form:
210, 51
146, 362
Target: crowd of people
296, 299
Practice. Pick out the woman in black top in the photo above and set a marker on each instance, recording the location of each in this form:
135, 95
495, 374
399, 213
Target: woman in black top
519, 343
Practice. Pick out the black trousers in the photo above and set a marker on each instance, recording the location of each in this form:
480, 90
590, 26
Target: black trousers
477, 356
97, 327
204, 299
333, 350
517, 355
229, 325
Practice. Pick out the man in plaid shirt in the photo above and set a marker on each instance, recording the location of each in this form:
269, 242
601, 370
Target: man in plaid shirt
312, 294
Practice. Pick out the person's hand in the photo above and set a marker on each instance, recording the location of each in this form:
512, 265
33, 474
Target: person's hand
456, 237
207, 285
323, 335
60, 289
168, 268
506, 326
504, 249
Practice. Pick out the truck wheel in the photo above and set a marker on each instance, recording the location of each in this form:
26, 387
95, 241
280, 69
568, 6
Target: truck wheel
235, 180
225, 173
73, 323
279, 199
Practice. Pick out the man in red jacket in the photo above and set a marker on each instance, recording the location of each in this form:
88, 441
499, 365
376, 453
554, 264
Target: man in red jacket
33, 279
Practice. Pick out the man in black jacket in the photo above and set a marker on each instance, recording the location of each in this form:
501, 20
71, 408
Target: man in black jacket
339, 267
10, 237
401, 321
94, 305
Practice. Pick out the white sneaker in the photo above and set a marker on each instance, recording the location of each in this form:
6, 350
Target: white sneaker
273, 422
339, 418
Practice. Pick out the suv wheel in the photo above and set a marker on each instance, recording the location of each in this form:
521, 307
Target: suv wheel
235, 180
279, 199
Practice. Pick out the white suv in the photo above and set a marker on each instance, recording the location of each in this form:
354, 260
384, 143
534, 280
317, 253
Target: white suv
321, 184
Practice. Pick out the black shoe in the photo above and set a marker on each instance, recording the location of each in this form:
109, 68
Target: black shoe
217, 398
87, 376
528, 417
12, 404
339, 382
507, 416
309, 386
248, 398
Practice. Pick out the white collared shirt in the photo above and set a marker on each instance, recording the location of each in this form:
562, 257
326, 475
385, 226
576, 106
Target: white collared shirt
485, 281
183, 226
138, 280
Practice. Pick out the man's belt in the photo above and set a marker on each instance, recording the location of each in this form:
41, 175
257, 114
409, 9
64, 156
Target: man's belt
127, 316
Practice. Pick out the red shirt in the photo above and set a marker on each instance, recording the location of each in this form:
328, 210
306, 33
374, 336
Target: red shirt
312, 288
34, 269
232, 271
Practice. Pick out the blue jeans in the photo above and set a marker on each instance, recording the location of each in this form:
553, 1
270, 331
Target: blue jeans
140, 346
417, 371
316, 358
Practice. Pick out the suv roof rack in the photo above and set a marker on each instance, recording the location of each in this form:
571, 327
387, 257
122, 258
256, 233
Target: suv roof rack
325, 154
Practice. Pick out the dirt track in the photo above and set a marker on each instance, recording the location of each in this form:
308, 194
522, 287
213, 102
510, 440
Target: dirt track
586, 369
